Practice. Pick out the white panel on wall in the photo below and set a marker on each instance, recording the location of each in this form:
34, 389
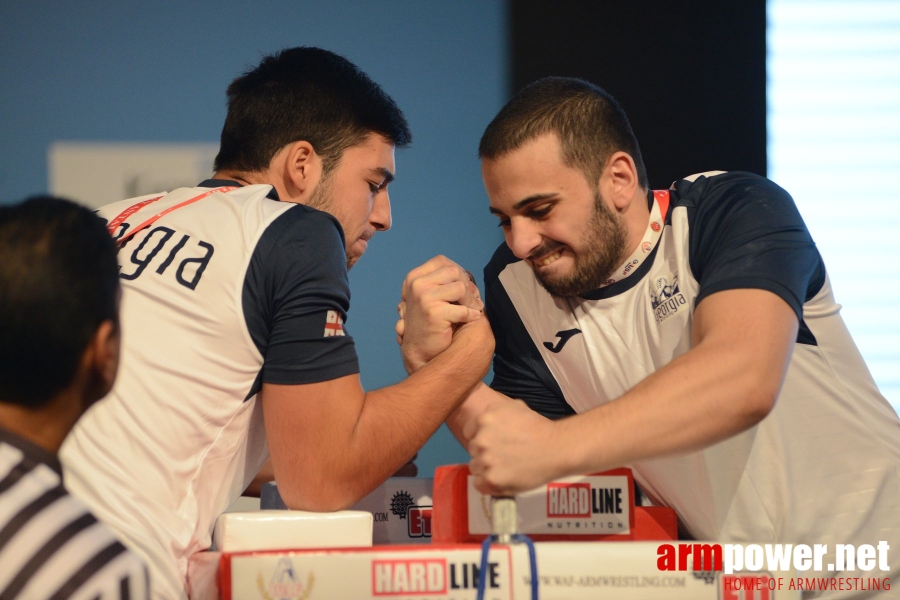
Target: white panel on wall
97, 173
834, 144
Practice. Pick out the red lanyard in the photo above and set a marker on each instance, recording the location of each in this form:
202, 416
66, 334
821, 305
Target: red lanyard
114, 224
662, 198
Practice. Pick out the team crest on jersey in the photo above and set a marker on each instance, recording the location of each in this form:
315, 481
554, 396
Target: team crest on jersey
334, 324
666, 299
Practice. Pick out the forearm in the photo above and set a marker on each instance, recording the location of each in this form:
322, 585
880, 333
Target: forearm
480, 399
397, 421
727, 382
682, 407
373, 434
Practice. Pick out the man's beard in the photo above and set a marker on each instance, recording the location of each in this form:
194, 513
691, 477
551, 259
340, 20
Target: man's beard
604, 250
323, 199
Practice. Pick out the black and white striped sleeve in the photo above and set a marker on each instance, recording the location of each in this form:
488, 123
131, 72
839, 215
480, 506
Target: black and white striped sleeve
51, 546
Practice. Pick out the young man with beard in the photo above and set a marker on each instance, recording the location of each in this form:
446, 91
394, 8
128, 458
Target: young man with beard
59, 352
689, 333
234, 303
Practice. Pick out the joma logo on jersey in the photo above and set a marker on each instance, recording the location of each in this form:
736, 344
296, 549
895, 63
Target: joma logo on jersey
579, 500
334, 324
666, 299
409, 577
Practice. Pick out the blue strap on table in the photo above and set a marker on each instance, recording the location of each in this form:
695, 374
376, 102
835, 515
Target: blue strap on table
532, 559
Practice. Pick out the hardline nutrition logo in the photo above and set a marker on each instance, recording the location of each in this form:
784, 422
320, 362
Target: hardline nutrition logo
569, 500
746, 569
409, 577
589, 505
581, 501
433, 576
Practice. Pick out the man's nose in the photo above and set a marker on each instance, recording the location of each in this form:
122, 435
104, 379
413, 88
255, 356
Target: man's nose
381, 212
522, 238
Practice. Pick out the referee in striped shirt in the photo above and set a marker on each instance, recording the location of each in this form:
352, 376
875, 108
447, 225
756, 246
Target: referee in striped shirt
59, 346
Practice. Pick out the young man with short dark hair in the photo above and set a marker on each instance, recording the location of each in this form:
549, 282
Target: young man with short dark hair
235, 301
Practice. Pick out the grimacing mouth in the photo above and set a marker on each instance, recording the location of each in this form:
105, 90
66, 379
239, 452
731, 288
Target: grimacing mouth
547, 255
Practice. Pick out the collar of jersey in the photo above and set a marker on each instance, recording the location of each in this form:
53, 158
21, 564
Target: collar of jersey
31, 450
633, 278
214, 183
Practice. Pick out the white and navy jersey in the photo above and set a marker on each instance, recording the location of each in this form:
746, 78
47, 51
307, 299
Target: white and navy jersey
822, 467
219, 296
51, 546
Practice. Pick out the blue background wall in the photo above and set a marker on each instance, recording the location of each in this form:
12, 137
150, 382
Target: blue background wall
154, 71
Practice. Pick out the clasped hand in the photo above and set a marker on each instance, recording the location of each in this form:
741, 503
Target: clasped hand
513, 448
435, 298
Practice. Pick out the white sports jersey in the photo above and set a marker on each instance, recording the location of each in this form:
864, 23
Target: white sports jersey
822, 468
51, 546
219, 296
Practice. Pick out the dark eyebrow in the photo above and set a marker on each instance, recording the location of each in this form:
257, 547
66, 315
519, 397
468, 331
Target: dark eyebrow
387, 175
523, 203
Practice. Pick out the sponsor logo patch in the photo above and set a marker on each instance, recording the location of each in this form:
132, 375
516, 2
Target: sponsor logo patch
563, 338
666, 299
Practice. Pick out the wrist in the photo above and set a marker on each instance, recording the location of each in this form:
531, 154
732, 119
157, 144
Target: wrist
411, 365
574, 449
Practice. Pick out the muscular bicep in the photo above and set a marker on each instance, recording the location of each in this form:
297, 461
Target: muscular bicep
749, 334
307, 426
746, 232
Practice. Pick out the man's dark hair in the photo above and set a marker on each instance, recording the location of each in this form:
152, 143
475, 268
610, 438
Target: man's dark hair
304, 94
589, 122
59, 281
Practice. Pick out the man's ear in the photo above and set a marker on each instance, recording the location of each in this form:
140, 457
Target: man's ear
619, 181
302, 168
101, 361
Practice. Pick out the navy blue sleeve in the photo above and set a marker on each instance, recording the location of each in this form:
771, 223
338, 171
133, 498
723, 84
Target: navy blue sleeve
296, 297
746, 232
519, 369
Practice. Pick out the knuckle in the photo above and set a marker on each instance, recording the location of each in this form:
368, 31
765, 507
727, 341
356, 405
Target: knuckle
416, 286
